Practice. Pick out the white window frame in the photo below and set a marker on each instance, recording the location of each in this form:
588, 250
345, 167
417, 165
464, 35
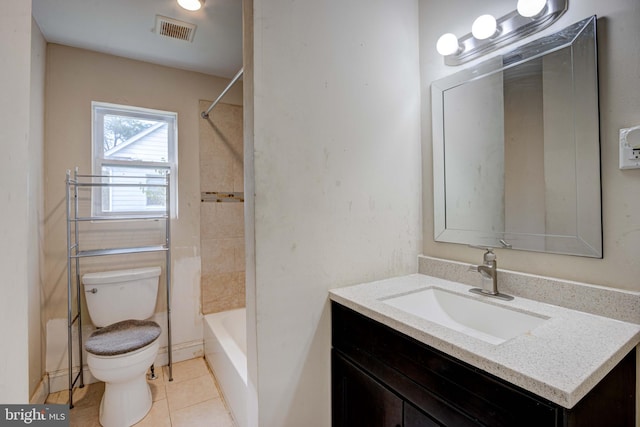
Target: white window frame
98, 111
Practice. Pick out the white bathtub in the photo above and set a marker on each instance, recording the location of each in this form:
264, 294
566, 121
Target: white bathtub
225, 348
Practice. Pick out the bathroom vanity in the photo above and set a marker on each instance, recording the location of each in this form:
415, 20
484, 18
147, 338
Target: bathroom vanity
421, 350
393, 368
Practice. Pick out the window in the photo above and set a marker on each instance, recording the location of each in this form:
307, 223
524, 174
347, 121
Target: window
133, 142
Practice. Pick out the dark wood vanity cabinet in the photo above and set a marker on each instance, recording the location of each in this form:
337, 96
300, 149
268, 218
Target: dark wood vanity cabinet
383, 378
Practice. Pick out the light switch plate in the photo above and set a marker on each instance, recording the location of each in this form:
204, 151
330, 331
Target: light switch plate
630, 148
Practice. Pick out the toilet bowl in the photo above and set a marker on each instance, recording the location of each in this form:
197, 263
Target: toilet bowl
127, 397
126, 344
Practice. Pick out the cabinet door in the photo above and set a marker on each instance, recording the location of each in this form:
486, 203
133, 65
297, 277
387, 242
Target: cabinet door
359, 400
415, 418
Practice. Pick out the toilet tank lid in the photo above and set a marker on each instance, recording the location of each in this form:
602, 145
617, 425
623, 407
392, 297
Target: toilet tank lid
115, 276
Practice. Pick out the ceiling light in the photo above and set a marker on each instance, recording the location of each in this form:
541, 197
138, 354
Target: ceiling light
447, 44
530, 8
489, 34
484, 27
191, 5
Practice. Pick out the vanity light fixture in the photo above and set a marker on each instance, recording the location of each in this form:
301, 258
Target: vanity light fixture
191, 5
488, 33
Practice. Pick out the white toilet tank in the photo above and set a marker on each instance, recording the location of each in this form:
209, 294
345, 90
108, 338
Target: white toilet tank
118, 295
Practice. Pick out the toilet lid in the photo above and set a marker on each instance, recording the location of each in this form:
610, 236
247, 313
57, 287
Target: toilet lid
122, 337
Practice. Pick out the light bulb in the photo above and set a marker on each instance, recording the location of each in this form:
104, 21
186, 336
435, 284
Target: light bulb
484, 27
191, 5
447, 44
530, 8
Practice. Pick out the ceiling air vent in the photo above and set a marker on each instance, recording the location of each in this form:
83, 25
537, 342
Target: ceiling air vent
175, 29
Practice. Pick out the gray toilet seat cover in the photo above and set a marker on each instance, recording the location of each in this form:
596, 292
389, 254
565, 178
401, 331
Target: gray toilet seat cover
122, 337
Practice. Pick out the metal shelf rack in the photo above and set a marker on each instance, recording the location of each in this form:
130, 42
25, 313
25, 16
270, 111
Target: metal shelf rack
74, 182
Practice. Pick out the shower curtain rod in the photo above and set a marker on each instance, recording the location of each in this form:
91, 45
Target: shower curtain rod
205, 114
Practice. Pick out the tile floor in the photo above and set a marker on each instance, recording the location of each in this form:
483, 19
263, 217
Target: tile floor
192, 399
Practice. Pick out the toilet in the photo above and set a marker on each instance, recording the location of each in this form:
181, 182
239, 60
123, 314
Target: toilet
126, 344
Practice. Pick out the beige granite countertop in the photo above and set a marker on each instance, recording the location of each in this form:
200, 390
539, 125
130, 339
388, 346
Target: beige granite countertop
561, 360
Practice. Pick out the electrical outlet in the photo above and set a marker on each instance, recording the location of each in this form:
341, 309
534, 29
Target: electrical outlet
630, 148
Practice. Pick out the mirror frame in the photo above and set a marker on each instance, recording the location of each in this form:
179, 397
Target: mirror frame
588, 238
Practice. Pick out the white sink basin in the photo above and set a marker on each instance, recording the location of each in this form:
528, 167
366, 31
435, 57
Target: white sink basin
488, 322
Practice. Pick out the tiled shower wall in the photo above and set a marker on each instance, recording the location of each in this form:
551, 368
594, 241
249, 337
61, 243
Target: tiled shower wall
222, 223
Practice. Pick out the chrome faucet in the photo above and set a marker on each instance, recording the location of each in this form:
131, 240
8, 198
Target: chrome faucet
489, 272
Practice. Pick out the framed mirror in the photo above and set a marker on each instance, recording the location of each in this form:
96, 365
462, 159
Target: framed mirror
516, 148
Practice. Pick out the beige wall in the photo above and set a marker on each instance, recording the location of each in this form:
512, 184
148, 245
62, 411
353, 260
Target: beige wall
36, 210
618, 38
332, 183
222, 224
248, 92
75, 77
15, 195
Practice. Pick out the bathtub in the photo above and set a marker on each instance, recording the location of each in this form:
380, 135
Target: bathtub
225, 348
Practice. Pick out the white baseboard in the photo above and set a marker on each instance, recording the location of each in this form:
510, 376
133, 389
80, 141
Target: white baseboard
59, 380
181, 352
42, 392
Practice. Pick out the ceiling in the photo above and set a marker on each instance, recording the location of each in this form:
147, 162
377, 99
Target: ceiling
126, 28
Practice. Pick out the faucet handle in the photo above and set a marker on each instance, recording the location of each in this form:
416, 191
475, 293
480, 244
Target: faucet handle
488, 255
